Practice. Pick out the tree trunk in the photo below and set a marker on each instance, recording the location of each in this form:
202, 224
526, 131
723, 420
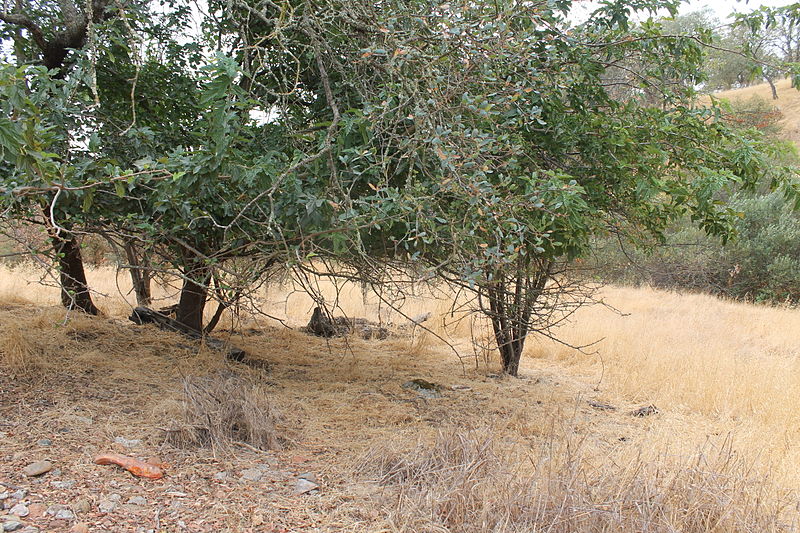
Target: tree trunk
74, 289
192, 302
511, 304
140, 275
774, 89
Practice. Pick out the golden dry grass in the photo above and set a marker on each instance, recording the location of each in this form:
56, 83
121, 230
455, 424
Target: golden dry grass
724, 375
731, 365
788, 103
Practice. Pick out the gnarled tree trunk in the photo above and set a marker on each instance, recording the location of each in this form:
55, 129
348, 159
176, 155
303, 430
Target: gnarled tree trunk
192, 302
512, 297
141, 276
74, 289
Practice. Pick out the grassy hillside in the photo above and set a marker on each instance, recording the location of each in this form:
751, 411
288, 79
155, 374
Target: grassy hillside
556, 450
788, 103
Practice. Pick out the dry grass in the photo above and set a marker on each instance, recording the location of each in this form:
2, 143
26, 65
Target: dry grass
477, 481
221, 409
718, 458
18, 356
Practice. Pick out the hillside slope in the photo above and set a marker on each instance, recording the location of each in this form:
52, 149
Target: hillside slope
788, 103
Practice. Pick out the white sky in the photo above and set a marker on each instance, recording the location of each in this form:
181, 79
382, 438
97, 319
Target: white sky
723, 8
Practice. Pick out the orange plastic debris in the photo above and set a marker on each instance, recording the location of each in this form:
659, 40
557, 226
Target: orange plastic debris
134, 466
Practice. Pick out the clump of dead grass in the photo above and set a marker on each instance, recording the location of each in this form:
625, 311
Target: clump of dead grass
222, 409
467, 482
19, 356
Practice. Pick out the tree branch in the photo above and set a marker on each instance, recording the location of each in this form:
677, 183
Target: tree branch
19, 19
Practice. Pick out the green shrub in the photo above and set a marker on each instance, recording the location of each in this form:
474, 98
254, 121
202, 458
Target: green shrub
762, 264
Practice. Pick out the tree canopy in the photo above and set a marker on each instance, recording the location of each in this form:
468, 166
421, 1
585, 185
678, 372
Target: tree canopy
481, 144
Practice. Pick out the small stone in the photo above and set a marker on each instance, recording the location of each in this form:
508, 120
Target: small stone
62, 485
12, 525
647, 410
252, 474
38, 468
106, 505
19, 494
82, 506
65, 514
80, 527
44, 442
424, 388
304, 486
308, 476
602, 406
54, 509
221, 476
4, 495
20, 510
128, 443
137, 500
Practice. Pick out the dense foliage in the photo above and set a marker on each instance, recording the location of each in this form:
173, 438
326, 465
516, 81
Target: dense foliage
482, 144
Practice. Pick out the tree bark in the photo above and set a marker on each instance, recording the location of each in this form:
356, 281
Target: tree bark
774, 89
192, 302
140, 275
74, 289
512, 297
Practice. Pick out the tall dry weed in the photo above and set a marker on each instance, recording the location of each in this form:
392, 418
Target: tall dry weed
18, 354
222, 409
466, 482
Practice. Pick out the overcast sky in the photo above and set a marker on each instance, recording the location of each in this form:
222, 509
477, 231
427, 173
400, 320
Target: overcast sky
723, 8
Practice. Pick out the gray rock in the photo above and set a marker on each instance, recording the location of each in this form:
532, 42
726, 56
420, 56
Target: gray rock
419, 319
44, 442
647, 410
19, 494
221, 476
106, 505
38, 468
21, 510
424, 388
55, 509
12, 525
65, 514
62, 485
128, 443
252, 474
137, 500
308, 476
304, 486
